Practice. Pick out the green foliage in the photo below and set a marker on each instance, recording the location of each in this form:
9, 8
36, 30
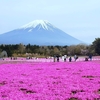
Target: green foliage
96, 45
44, 51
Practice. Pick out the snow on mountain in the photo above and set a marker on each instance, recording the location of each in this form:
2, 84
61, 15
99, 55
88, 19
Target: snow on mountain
43, 23
38, 32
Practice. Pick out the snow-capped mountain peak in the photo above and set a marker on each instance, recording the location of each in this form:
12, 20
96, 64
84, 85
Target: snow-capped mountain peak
42, 23
38, 32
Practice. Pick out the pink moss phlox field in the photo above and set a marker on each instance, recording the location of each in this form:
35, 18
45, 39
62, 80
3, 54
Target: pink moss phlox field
50, 80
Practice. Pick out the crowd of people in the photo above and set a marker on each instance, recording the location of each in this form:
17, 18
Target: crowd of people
57, 58
65, 57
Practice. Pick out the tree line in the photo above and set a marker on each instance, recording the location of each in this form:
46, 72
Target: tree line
44, 51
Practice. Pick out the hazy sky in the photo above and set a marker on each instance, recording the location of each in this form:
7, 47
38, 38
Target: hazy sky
78, 18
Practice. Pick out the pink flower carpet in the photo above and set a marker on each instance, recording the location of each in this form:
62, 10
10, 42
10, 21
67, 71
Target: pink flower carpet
30, 80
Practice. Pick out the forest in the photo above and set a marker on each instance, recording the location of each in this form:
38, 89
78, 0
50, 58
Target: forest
21, 50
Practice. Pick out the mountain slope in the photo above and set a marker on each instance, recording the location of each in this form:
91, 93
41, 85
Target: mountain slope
38, 32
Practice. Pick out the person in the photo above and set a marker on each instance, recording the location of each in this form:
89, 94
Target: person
65, 56
57, 58
86, 58
75, 57
70, 59
90, 57
54, 58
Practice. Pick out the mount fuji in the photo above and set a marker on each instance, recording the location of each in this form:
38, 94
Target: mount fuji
38, 32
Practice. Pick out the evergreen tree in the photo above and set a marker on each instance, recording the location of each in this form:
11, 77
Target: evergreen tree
96, 45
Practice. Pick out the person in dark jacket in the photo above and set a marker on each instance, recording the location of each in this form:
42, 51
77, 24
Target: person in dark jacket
90, 57
57, 58
70, 59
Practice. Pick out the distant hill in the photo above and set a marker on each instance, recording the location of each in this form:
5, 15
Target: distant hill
38, 32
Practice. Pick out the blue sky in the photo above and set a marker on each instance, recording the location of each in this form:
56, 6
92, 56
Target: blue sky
78, 18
